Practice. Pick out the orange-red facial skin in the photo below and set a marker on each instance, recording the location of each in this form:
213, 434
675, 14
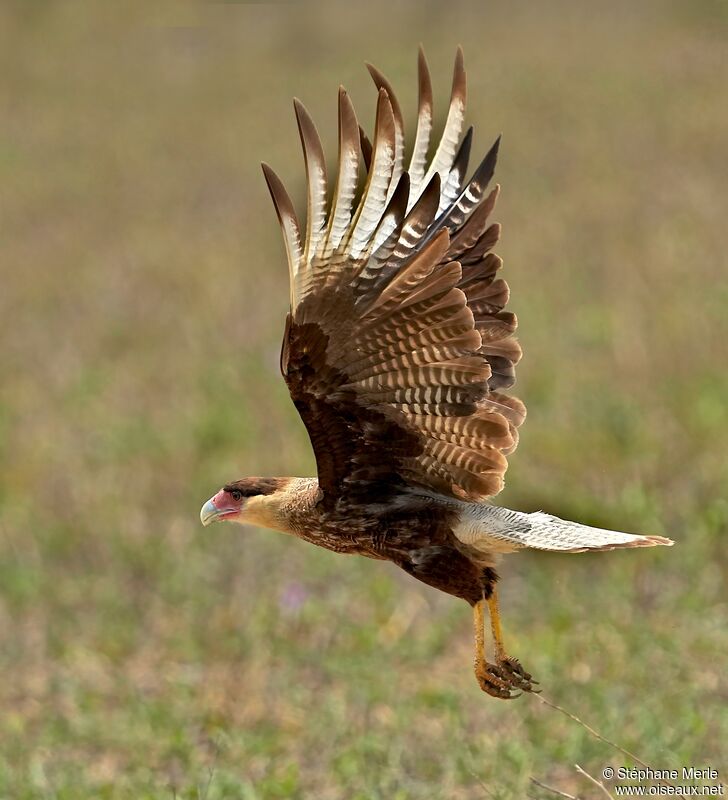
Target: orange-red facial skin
227, 506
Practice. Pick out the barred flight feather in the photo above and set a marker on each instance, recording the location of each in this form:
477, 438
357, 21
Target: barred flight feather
383, 265
441, 282
430, 344
348, 174
508, 349
496, 326
430, 394
445, 154
473, 228
487, 295
365, 147
382, 83
463, 371
429, 353
413, 275
384, 242
379, 177
418, 220
437, 307
484, 268
289, 226
424, 126
487, 241
472, 194
397, 346
313, 154
453, 183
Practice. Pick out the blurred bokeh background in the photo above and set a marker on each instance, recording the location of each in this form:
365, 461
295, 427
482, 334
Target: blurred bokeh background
142, 298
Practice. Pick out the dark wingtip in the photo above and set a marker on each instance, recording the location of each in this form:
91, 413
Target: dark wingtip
487, 166
462, 157
366, 147
467, 142
300, 110
435, 183
275, 185
268, 173
423, 77
382, 83
401, 194
459, 80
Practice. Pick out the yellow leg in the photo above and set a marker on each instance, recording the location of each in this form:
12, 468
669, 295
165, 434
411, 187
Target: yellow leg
485, 673
495, 626
479, 630
506, 675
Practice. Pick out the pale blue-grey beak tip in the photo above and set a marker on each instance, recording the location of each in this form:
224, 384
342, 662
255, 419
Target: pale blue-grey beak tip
208, 513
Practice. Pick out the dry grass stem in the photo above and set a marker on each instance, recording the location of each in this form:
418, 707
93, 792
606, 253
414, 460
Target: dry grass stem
553, 790
601, 786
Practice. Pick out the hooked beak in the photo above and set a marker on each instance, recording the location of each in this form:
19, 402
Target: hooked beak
218, 508
209, 513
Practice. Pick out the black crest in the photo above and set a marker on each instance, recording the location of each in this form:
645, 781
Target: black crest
250, 487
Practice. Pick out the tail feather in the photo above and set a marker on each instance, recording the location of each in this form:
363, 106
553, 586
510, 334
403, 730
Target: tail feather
551, 533
498, 529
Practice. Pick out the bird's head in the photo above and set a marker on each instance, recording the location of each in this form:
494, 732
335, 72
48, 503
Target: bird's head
252, 501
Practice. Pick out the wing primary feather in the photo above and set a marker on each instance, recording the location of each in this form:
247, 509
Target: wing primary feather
470, 196
411, 279
289, 226
412, 229
313, 154
366, 148
373, 199
445, 153
348, 174
417, 222
456, 177
388, 231
382, 244
470, 232
382, 83
424, 127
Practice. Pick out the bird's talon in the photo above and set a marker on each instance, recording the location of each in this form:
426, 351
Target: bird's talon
493, 676
493, 684
511, 671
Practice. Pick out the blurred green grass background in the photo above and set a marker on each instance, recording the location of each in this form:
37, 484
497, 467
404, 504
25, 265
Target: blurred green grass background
142, 299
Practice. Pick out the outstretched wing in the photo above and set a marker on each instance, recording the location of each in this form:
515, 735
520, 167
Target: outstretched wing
397, 348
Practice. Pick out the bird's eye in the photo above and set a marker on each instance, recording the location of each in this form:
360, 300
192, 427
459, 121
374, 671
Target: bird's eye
236, 495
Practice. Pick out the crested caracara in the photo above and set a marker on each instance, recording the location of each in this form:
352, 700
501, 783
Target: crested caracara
399, 357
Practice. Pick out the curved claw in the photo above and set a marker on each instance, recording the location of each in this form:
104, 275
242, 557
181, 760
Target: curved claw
493, 685
510, 671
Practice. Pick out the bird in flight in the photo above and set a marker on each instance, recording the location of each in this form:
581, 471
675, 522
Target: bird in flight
398, 355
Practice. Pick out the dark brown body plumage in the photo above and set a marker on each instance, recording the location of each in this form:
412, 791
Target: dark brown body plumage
411, 530
415, 534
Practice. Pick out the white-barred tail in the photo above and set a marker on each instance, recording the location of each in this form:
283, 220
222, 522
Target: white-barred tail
495, 529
